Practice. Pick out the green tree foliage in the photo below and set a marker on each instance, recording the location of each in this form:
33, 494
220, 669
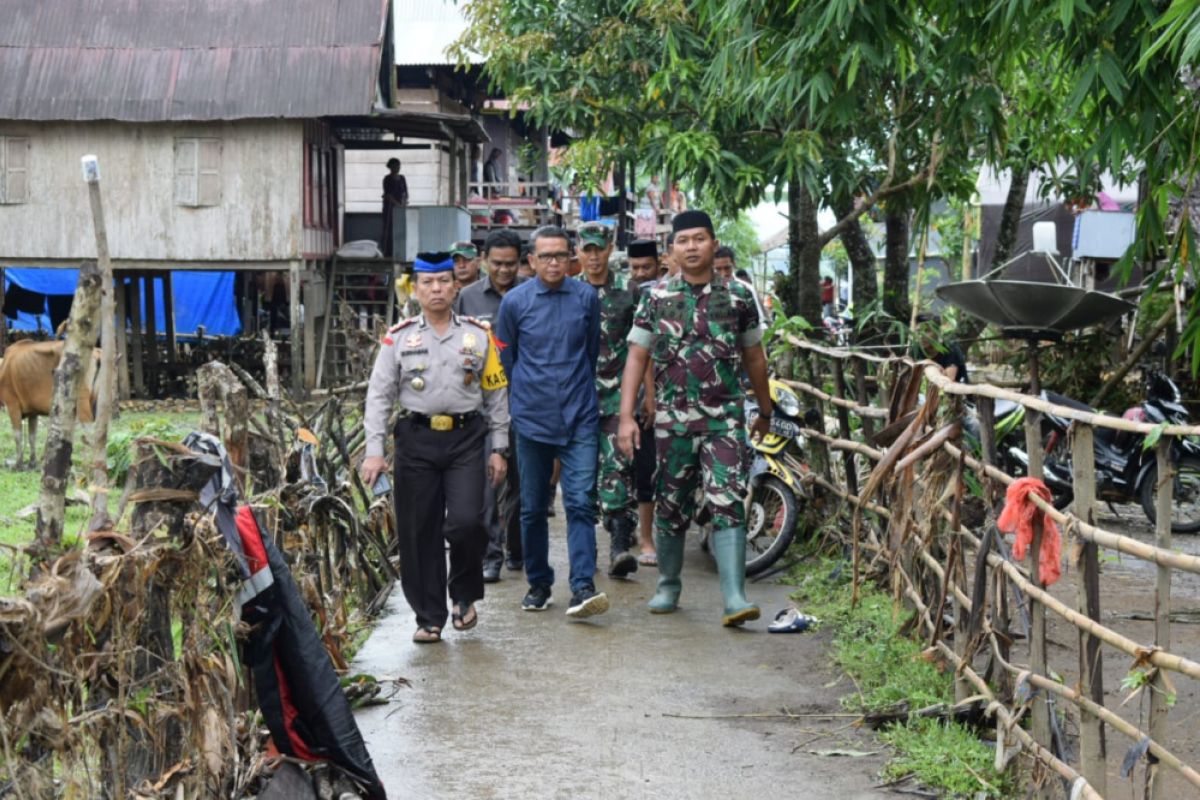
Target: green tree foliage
851, 105
736, 231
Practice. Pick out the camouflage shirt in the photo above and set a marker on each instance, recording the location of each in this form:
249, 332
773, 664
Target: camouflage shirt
618, 301
695, 335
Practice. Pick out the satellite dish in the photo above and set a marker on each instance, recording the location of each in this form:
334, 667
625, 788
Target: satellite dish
1028, 309
1032, 309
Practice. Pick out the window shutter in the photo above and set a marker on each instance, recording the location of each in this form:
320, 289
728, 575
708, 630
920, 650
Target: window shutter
209, 184
16, 171
186, 178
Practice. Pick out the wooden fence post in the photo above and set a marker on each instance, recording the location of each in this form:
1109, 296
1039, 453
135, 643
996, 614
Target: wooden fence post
860, 394
821, 450
108, 359
1037, 612
849, 463
1092, 748
1159, 699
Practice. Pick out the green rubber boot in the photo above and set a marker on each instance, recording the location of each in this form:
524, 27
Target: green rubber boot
670, 565
729, 548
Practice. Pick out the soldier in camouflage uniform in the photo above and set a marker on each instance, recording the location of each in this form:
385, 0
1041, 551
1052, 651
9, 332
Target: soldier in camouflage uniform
699, 331
615, 472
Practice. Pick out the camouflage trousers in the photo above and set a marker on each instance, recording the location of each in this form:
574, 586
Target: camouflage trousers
615, 476
712, 463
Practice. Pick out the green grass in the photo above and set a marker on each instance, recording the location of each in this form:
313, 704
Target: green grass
947, 757
18, 490
887, 668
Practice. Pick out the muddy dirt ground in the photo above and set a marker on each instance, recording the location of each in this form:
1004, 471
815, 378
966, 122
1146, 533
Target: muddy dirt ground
1127, 588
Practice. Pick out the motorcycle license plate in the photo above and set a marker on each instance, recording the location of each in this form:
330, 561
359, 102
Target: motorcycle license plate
779, 427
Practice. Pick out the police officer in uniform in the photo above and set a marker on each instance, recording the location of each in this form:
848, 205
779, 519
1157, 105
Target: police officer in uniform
446, 374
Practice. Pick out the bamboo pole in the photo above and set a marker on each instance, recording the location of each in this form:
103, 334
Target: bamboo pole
1160, 700
935, 375
1080, 788
1092, 747
108, 353
840, 402
1043, 683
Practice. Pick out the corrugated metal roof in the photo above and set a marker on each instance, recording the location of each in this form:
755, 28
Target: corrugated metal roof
146, 60
425, 28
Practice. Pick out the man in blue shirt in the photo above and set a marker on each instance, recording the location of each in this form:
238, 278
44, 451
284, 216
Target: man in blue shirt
548, 332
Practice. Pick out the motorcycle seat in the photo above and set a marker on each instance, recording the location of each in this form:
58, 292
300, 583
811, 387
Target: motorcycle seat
1063, 400
1003, 408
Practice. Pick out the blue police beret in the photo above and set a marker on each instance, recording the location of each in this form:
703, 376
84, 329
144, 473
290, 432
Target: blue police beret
433, 262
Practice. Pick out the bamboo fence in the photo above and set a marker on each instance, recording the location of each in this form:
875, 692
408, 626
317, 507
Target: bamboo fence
905, 465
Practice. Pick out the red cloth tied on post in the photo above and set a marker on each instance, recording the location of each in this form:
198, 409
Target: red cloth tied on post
1018, 517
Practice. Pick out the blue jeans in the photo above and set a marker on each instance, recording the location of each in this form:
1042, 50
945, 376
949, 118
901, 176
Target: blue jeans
578, 480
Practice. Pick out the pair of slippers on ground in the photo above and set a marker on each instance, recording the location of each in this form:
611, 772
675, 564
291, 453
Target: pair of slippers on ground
790, 620
463, 619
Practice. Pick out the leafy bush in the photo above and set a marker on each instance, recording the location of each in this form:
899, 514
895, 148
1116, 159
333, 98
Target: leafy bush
120, 442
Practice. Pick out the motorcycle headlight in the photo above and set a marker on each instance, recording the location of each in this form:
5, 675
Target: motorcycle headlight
787, 402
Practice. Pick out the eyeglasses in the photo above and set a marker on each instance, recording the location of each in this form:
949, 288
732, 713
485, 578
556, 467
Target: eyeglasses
550, 258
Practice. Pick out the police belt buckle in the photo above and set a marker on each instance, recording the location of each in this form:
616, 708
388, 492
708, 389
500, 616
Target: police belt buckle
441, 422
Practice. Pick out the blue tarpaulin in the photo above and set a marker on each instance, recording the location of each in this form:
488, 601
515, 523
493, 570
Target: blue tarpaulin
200, 298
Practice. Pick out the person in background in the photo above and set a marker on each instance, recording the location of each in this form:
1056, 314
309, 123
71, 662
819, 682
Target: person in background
669, 258
724, 261
481, 301
492, 173
931, 344
700, 331
395, 195
615, 473
466, 263
525, 267
654, 196
827, 307
643, 271
445, 372
548, 332
574, 268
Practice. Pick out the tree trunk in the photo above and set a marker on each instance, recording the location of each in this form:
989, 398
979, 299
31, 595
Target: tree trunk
865, 289
1010, 219
895, 266
804, 256
81, 338
1006, 238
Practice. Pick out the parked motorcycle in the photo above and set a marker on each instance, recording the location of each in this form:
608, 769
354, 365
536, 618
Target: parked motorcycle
1126, 471
776, 488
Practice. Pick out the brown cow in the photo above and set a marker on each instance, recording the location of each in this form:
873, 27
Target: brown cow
27, 388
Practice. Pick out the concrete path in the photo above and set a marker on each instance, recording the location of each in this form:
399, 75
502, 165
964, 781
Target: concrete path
529, 705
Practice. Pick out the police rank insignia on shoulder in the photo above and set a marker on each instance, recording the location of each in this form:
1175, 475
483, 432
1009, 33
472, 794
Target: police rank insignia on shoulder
487, 326
404, 323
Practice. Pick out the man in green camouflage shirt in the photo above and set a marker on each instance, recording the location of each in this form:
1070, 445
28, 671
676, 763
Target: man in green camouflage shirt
615, 472
699, 331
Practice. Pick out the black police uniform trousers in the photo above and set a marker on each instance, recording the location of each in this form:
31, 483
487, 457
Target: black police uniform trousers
502, 515
438, 492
